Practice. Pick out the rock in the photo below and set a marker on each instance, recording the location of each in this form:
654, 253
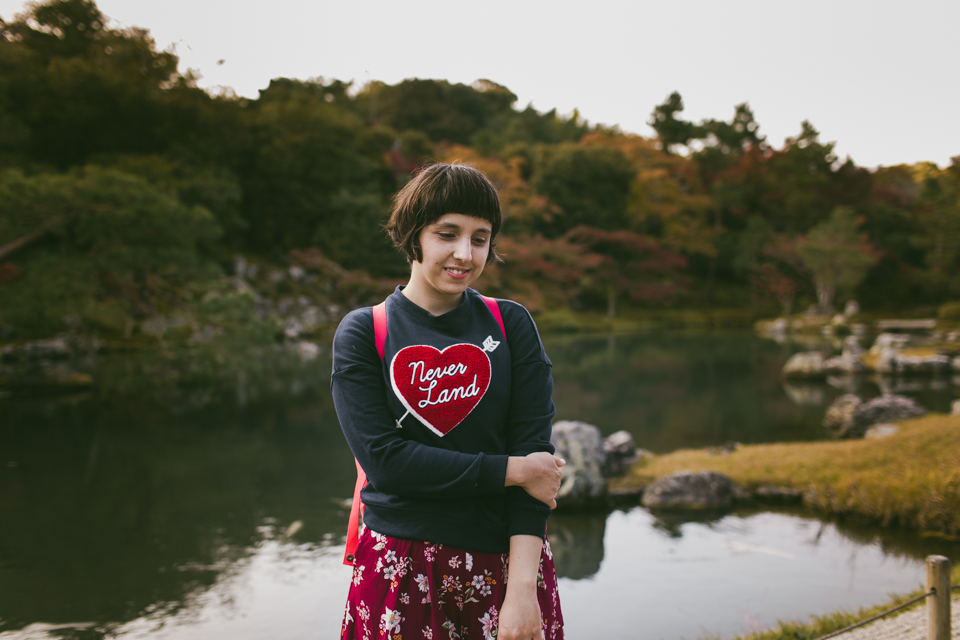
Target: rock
955, 408
689, 490
894, 341
884, 409
296, 273
852, 308
924, 365
807, 364
580, 445
839, 416
620, 451
955, 364
881, 431
843, 364
891, 361
851, 347
52, 349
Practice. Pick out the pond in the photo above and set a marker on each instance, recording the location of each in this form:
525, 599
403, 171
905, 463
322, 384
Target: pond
147, 509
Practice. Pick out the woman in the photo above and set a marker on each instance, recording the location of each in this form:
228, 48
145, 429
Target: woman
450, 418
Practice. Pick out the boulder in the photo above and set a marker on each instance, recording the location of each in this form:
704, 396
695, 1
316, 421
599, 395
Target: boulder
955, 364
852, 308
620, 451
807, 364
955, 408
689, 490
892, 361
839, 416
884, 409
895, 341
580, 445
851, 347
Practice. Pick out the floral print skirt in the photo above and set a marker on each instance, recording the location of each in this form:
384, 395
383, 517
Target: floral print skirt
407, 590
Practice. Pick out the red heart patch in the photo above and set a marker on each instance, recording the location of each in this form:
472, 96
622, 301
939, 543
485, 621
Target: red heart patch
440, 388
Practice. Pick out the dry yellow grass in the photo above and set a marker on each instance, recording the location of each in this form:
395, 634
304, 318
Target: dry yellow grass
911, 477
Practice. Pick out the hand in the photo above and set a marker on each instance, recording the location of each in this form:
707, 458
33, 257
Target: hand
520, 618
538, 473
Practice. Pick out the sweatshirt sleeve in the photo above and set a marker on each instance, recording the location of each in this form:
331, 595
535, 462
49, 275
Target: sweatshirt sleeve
530, 419
391, 462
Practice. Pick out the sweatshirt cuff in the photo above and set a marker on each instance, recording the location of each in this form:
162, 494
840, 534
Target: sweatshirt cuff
493, 473
527, 522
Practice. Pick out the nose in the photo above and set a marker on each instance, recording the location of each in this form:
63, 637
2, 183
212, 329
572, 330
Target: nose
463, 250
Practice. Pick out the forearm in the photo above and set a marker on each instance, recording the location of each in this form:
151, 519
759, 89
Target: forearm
520, 617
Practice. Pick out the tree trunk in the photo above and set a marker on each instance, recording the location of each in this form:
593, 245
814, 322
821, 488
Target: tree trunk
611, 301
825, 293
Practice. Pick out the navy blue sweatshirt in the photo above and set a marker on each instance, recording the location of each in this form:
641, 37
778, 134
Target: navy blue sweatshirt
463, 404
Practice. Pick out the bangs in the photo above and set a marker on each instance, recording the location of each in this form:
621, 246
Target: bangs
457, 189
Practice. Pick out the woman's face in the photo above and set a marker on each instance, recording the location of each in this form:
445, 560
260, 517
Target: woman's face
454, 250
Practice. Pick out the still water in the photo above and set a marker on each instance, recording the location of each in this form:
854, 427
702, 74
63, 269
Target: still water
151, 509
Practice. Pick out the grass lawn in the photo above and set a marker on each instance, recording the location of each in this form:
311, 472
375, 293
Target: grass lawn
910, 478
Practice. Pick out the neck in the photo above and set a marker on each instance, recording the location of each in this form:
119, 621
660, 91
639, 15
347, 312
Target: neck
433, 302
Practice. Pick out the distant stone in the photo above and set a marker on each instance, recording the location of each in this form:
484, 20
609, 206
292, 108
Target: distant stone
689, 490
885, 409
955, 364
806, 365
839, 416
52, 349
580, 445
895, 341
851, 347
620, 451
881, 431
955, 408
296, 273
852, 308
306, 351
891, 361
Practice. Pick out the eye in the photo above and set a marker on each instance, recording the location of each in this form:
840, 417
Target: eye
446, 235
480, 241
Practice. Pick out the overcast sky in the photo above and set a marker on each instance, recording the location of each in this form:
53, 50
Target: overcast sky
880, 78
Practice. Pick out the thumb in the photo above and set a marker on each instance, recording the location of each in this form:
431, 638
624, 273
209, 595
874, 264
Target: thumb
560, 461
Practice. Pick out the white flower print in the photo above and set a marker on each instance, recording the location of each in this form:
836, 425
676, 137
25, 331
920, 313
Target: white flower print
455, 562
363, 611
379, 565
347, 618
547, 549
390, 556
428, 552
390, 621
423, 583
477, 582
358, 574
469, 562
404, 598
427, 633
452, 628
390, 572
489, 627
381, 540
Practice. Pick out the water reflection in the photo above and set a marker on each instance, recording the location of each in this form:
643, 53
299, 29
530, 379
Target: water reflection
156, 504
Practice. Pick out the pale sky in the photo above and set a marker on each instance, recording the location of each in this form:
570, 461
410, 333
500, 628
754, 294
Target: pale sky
880, 78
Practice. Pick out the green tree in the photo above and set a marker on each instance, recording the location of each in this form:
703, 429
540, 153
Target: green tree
590, 184
837, 255
119, 249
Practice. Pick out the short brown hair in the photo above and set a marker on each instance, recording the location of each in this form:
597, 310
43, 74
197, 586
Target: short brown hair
437, 190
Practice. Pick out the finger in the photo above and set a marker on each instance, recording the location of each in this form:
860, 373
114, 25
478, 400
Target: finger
561, 462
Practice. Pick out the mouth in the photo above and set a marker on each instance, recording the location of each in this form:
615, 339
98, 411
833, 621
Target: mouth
457, 273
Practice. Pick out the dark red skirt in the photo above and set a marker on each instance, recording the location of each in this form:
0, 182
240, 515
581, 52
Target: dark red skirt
407, 590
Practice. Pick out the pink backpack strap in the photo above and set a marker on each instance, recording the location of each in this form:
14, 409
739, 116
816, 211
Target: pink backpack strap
353, 527
495, 310
380, 327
